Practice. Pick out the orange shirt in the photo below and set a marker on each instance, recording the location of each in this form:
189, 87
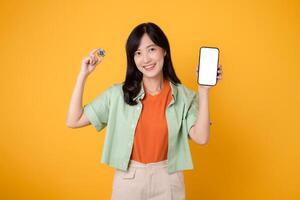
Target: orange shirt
151, 134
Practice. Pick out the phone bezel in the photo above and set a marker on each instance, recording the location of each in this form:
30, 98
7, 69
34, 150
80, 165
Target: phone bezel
199, 63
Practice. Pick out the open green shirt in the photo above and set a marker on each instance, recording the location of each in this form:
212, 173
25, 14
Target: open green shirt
109, 109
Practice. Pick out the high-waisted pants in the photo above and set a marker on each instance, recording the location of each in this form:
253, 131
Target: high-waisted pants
149, 181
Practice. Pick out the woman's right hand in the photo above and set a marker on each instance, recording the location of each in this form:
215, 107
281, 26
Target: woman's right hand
88, 64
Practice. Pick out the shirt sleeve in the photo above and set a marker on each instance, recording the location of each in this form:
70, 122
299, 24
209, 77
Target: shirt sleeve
97, 110
192, 113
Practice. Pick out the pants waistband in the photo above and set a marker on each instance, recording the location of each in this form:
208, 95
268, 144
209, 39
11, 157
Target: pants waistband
160, 164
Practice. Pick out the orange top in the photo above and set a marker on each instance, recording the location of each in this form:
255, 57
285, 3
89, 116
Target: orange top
151, 134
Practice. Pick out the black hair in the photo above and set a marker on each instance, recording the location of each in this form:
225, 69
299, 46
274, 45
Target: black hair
132, 83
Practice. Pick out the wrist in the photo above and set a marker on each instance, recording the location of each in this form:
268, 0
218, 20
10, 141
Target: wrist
203, 91
82, 76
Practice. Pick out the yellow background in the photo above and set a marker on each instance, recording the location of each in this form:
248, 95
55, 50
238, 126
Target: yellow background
253, 151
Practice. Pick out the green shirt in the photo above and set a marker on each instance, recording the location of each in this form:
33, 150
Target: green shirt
110, 110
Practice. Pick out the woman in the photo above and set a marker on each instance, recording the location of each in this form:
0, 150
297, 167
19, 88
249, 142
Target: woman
149, 118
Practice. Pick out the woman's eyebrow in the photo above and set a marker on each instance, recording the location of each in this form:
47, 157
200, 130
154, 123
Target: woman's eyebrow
148, 46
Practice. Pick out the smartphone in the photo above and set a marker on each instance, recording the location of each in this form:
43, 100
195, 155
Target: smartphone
208, 65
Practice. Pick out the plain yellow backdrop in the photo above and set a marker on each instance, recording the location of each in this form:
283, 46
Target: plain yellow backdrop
254, 148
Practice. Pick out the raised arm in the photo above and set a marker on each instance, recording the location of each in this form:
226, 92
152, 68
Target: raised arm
75, 116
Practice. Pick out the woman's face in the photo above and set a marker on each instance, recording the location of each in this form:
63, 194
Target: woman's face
149, 58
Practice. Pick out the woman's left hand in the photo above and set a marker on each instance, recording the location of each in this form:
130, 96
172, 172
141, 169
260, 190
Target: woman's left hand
207, 87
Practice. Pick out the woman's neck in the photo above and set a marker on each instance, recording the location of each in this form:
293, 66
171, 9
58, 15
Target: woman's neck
153, 85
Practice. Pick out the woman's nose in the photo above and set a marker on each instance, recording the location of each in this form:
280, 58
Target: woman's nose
146, 58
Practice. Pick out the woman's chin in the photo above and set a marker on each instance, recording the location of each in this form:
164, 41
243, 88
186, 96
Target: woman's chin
151, 75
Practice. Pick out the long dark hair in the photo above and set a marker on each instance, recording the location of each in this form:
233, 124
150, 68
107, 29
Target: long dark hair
132, 83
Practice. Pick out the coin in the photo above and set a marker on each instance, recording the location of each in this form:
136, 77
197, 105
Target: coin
101, 52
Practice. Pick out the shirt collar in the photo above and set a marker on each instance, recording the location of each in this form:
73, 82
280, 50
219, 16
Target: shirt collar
141, 94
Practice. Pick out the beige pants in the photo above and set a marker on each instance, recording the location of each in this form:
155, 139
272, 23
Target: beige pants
149, 181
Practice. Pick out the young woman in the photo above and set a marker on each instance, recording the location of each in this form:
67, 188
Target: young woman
150, 118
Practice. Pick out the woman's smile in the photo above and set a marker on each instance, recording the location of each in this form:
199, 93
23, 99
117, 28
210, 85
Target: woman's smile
149, 67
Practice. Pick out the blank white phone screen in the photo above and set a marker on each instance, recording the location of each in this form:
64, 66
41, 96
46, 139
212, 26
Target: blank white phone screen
208, 65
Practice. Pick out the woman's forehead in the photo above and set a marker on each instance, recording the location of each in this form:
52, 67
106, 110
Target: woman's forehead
146, 42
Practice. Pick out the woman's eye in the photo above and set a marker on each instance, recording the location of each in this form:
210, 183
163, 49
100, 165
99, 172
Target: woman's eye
137, 53
152, 49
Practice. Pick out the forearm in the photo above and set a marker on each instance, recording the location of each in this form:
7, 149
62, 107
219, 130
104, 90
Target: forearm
75, 107
202, 126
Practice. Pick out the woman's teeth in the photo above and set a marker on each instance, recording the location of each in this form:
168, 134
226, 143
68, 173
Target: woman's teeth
148, 68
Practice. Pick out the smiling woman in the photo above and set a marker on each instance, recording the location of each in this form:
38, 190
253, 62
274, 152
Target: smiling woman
150, 118
146, 58
148, 61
